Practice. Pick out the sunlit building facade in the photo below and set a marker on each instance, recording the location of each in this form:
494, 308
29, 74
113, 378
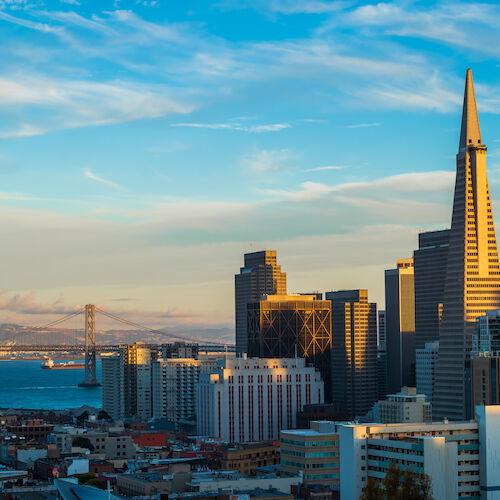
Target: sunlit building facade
254, 399
400, 325
472, 284
260, 275
354, 351
285, 326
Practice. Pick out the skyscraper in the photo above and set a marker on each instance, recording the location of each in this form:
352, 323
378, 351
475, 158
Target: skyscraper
284, 326
400, 325
354, 351
472, 284
381, 329
430, 270
260, 276
126, 382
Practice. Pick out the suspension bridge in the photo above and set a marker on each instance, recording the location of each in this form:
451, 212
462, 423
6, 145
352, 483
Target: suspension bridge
52, 338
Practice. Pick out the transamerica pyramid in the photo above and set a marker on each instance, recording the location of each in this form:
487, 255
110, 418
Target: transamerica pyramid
472, 284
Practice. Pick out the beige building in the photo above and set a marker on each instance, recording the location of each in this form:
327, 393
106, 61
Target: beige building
108, 446
404, 407
246, 458
472, 284
314, 452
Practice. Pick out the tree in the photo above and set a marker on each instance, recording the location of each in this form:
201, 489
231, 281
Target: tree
97, 483
392, 482
85, 477
398, 485
372, 490
102, 415
83, 442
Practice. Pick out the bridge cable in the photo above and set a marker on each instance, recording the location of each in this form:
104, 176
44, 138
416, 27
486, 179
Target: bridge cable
145, 328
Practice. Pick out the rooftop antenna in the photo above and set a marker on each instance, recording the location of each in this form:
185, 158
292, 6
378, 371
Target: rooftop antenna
295, 351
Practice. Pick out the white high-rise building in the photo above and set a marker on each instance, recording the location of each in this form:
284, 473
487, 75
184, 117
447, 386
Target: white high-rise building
460, 458
111, 386
126, 382
254, 399
426, 361
174, 386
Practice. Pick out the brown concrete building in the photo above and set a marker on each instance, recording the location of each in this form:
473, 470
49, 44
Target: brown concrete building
260, 275
248, 457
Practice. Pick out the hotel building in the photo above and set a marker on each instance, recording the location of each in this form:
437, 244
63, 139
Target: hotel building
254, 399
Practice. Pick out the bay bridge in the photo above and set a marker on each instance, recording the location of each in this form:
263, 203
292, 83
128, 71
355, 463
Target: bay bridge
45, 339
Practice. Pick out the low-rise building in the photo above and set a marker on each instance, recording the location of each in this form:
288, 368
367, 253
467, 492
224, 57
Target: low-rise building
109, 446
246, 458
204, 482
405, 407
144, 484
36, 429
313, 452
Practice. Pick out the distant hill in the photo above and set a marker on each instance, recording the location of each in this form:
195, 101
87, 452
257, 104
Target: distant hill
18, 334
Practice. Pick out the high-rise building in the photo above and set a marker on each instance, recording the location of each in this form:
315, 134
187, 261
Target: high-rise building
111, 376
429, 263
174, 388
381, 357
259, 276
285, 326
126, 381
482, 370
254, 399
354, 351
425, 369
381, 328
472, 284
400, 325
455, 455
486, 336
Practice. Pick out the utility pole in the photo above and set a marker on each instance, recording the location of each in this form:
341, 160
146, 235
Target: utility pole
90, 349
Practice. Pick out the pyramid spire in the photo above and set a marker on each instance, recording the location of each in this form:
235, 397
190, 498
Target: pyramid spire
469, 132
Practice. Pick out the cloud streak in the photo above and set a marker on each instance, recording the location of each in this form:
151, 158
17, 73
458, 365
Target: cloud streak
101, 180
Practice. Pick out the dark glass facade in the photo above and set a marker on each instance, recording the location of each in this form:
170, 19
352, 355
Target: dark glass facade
430, 270
286, 326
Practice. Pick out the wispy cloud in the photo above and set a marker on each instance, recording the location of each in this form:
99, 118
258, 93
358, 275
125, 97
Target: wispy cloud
77, 103
266, 160
272, 127
327, 167
25, 130
364, 125
102, 180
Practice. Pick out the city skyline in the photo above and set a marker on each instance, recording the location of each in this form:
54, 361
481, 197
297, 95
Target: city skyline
140, 177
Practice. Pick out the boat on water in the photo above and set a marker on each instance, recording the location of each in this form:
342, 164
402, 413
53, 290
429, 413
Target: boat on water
48, 364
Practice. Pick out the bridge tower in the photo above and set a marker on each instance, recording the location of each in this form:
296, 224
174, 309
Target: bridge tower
90, 349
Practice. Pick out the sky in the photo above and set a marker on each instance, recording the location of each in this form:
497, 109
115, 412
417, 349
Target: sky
146, 145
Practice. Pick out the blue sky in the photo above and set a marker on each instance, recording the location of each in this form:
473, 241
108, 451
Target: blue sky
146, 145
